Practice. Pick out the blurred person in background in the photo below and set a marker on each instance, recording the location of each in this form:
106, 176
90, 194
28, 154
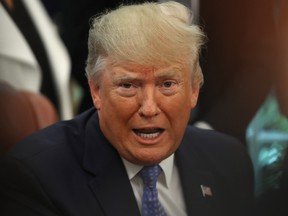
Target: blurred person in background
32, 54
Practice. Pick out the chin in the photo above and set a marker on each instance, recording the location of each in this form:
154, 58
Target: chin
149, 158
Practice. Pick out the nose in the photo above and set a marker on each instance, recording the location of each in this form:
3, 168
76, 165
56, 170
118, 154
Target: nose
148, 103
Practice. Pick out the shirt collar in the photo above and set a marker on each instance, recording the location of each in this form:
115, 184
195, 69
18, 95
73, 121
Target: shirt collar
167, 166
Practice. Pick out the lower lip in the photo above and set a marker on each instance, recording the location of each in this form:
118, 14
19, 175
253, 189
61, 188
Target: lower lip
148, 141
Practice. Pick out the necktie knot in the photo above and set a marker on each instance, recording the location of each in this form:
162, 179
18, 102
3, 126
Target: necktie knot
149, 175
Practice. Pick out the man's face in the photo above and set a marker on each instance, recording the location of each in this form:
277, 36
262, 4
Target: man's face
144, 111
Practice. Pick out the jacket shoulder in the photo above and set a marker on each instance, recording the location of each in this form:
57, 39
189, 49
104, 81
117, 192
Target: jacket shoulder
216, 148
59, 137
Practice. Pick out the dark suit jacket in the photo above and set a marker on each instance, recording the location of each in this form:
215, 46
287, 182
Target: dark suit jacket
71, 169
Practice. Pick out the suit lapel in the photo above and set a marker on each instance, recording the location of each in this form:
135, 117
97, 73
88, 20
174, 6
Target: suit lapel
197, 182
110, 184
113, 191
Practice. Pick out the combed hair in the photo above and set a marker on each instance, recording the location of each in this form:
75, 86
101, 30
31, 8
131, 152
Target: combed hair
149, 34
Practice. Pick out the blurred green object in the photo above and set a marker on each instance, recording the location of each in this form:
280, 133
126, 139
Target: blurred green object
267, 141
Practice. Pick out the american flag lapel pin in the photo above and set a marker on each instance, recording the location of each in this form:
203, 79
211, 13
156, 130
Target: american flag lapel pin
206, 191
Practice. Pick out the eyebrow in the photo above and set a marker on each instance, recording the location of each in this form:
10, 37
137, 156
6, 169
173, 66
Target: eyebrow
168, 73
126, 76
121, 78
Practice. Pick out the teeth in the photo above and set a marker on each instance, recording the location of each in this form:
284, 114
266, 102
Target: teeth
148, 136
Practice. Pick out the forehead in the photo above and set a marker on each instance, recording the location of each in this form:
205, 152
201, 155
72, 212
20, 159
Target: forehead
140, 70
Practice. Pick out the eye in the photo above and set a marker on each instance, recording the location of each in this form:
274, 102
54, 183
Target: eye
169, 87
168, 84
127, 89
126, 85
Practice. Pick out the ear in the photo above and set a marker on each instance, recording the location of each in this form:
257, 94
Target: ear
95, 93
194, 96
196, 85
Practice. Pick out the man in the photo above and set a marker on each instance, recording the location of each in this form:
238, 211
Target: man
144, 79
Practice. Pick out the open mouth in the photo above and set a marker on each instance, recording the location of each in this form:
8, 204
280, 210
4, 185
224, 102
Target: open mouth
148, 133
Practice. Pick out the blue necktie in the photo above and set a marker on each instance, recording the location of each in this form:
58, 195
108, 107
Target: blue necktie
150, 202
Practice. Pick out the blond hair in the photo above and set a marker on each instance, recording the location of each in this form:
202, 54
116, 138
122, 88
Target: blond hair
150, 34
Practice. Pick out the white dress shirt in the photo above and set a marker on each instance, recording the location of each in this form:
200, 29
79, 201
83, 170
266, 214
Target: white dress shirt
168, 185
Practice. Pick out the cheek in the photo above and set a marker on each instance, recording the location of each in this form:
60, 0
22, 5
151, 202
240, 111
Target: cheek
177, 109
118, 107
115, 115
